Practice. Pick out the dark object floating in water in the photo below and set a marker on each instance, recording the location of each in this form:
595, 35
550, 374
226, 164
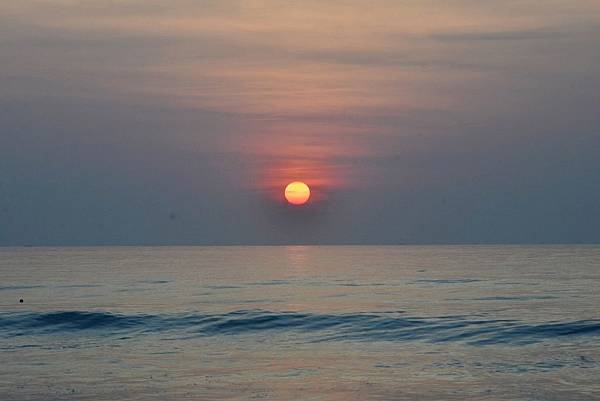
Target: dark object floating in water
21, 300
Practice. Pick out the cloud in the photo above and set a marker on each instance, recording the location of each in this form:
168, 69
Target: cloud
505, 35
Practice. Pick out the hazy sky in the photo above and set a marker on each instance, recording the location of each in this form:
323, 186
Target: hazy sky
180, 122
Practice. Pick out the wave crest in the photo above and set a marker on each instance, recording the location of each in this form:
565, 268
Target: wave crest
307, 326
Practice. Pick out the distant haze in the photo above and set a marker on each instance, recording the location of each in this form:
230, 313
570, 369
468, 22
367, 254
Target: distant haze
181, 122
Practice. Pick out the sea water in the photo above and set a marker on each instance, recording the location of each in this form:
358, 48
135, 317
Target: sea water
300, 323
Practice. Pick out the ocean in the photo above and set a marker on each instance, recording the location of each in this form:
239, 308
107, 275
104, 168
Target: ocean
300, 323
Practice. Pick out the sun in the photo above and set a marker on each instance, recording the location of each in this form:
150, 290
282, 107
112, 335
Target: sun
297, 193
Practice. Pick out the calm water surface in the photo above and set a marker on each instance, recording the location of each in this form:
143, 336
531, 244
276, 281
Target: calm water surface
300, 323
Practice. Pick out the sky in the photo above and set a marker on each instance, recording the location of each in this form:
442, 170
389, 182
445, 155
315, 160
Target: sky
144, 122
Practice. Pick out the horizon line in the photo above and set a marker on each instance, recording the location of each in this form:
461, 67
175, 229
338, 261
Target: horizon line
302, 244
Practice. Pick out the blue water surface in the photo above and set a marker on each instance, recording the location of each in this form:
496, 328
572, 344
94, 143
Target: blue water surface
300, 323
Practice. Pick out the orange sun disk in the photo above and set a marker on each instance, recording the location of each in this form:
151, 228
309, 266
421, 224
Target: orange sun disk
297, 193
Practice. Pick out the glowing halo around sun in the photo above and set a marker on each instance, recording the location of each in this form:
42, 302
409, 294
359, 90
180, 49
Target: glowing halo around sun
297, 193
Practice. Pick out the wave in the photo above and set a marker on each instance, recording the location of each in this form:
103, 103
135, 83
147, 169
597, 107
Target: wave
19, 287
307, 326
